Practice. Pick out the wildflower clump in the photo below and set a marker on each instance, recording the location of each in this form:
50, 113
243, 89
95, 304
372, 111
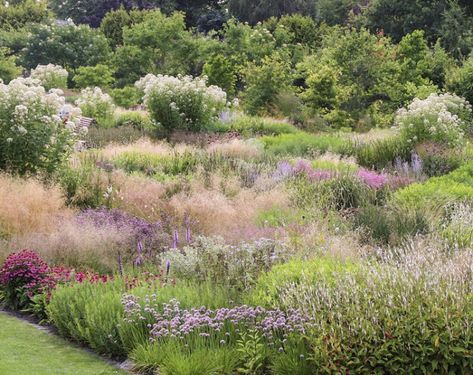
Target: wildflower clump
94, 103
51, 76
182, 102
33, 136
441, 118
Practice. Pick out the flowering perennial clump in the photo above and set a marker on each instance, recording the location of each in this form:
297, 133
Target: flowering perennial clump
33, 136
236, 265
183, 101
441, 118
95, 103
51, 76
143, 235
171, 321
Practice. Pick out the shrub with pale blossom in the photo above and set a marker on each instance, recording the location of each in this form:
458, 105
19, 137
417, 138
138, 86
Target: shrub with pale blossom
441, 118
33, 136
182, 102
96, 104
51, 76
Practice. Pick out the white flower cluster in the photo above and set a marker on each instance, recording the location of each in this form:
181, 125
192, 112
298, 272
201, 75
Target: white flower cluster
95, 103
24, 104
442, 118
50, 76
186, 97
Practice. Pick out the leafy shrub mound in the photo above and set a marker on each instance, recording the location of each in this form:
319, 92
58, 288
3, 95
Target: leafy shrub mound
441, 118
33, 137
51, 76
455, 186
96, 104
182, 102
387, 317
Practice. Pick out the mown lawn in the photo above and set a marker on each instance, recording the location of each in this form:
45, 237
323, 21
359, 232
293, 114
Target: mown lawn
24, 350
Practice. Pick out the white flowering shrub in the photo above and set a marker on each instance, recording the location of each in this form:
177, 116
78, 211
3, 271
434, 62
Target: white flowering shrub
33, 135
182, 102
441, 118
51, 76
95, 103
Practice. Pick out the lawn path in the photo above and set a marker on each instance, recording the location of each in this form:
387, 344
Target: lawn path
25, 350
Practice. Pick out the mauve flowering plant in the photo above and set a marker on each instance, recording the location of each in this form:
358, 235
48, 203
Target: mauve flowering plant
144, 238
222, 326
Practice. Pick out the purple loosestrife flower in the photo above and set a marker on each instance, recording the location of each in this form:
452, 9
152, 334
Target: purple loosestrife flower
372, 179
417, 164
175, 239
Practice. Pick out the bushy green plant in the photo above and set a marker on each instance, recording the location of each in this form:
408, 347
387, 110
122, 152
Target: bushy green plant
221, 72
264, 82
380, 154
46, 44
253, 126
363, 320
456, 186
96, 104
441, 118
137, 120
173, 359
268, 286
182, 102
212, 260
33, 138
90, 313
126, 97
8, 68
51, 76
84, 185
93, 76
460, 78
301, 143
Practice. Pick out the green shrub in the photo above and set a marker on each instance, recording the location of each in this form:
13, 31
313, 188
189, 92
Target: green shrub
408, 315
182, 102
126, 97
392, 224
138, 120
96, 104
32, 137
343, 192
460, 78
8, 68
264, 82
301, 144
151, 163
221, 72
51, 76
266, 291
382, 153
84, 185
90, 313
456, 186
250, 126
93, 76
440, 118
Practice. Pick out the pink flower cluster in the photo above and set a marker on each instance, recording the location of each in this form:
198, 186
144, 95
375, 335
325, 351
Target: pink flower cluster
173, 321
304, 167
28, 272
372, 179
